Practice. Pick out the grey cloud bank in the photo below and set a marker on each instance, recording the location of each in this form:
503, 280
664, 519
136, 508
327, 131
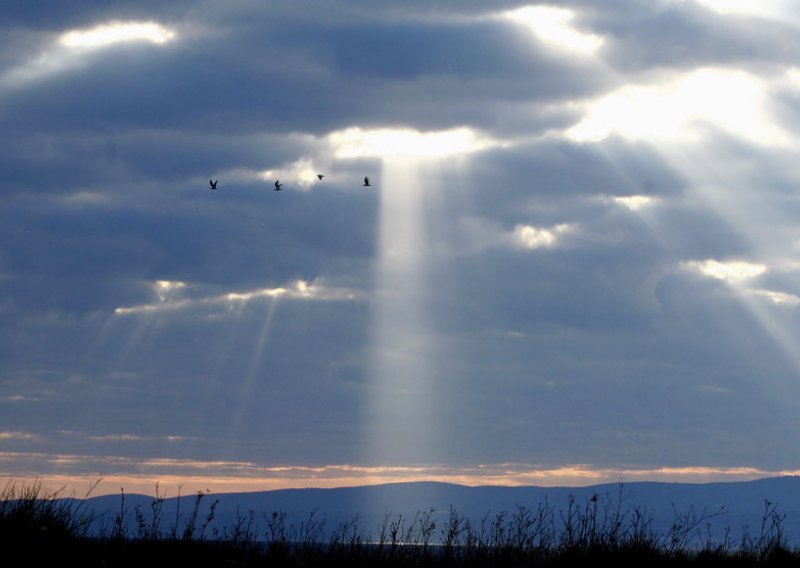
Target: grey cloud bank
552, 299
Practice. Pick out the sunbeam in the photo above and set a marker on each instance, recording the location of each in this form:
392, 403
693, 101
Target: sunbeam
401, 424
243, 404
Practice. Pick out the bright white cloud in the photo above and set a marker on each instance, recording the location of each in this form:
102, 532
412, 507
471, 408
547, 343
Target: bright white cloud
553, 26
677, 109
166, 289
117, 32
66, 54
387, 142
732, 271
301, 172
633, 202
530, 237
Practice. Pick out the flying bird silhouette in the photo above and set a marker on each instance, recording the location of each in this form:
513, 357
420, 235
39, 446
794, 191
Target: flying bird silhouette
366, 182
278, 185
213, 183
320, 176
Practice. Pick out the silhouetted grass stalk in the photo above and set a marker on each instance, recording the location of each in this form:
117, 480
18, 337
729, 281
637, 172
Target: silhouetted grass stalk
598, 527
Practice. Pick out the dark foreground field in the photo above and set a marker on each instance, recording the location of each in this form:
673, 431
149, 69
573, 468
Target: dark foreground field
41, 528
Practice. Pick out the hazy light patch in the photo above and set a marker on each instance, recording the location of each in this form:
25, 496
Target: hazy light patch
713, 389
117, 32
679, 108
633, 202
553, 26
18, 436
86, 198
763, 8
777, 298
299, 289
530, 237
300, 172
166, 289
117, 438
398, 142
732, 271
16, 398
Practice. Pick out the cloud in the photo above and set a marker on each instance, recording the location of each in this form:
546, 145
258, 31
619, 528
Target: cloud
405, 142
678, 109
766, 8
68, 53
299, 290
117, 32
730, 271
604, 221
529, 237
778, 298
551, 25
633, 202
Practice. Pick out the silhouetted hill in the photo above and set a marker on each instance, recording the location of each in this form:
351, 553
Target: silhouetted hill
743, 504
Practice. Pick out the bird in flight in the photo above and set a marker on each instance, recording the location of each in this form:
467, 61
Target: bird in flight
366, 182
320, 176
278, 185
213, 183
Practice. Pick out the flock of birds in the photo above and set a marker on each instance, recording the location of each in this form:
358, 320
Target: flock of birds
279, 185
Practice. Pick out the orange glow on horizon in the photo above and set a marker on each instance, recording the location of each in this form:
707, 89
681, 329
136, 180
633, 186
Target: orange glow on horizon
327, 477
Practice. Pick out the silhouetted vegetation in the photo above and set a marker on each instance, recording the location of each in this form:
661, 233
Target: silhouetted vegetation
45, 528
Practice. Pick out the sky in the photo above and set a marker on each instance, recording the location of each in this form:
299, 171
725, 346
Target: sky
577, 260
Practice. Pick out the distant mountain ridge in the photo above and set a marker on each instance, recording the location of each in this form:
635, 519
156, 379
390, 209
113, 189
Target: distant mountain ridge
739, 504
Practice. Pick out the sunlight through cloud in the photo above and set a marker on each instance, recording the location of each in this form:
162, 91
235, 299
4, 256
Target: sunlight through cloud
777, 298
678, 109
762, 8
552, 25
398, 142
117, 32
530, 237
301, 172
633, 202
299, 289
166, 289
733, 271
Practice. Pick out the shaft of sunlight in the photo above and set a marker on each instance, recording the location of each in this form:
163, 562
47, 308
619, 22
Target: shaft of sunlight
401, 422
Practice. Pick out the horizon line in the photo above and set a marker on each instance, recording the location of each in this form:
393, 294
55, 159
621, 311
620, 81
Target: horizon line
191, 477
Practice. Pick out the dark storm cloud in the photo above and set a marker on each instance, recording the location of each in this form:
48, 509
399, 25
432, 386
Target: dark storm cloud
313, 76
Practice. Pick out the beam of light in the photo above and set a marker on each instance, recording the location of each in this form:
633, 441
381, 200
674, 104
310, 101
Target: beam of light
553, 26
735, 194
355, 142
678, 110
117, 32
401, 424
246, 388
